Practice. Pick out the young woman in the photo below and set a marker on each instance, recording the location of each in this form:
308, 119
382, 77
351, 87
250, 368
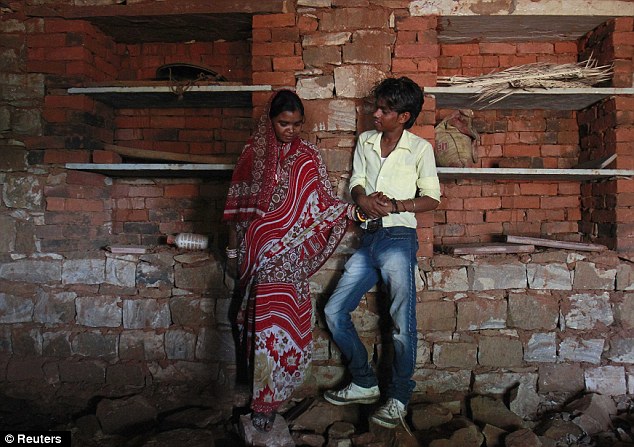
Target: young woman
284, 223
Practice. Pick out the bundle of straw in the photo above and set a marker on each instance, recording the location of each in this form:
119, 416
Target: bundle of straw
495, 87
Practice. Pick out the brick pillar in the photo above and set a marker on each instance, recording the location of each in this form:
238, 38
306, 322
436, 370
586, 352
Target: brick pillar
608, 128
276, 54
415, 55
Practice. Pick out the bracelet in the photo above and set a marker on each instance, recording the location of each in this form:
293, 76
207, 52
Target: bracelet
413, 206
394, 206
232, 253
361, 217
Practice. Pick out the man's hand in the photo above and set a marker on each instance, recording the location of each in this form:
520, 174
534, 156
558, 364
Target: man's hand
375, 206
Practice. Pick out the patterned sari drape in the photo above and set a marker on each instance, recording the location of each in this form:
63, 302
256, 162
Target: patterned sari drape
288, 223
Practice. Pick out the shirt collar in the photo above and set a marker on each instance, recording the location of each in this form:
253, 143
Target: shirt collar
403, 143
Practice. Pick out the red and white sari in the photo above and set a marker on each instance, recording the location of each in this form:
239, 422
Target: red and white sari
288, 223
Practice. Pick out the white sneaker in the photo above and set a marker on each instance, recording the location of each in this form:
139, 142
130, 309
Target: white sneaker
390, 414
353, 394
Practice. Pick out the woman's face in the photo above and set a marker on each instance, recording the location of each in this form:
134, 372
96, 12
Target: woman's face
287, 125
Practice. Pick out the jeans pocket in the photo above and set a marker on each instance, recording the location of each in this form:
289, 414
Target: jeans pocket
401, 233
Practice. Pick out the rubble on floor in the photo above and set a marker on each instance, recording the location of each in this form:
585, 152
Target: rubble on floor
591, 420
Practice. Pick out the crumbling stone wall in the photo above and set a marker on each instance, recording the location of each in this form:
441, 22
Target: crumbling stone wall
551, 323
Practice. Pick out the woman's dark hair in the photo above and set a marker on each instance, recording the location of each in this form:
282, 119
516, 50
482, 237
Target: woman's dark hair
401, 95
285, 101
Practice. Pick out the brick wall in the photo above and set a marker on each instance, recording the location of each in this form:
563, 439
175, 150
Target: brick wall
607, 128
70, 53
78, 322
476, 211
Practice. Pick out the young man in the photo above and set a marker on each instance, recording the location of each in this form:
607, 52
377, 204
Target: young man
390, 164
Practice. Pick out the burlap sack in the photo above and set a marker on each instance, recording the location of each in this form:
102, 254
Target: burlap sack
456, 141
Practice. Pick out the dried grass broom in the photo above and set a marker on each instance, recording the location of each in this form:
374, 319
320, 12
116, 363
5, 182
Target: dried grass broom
495, 87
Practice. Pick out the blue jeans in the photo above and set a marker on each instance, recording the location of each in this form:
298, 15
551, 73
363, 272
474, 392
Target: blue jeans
388, 254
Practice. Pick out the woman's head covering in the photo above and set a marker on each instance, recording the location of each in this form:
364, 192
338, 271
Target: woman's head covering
253, 177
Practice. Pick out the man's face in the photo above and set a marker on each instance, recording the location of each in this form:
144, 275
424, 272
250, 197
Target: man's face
385, 118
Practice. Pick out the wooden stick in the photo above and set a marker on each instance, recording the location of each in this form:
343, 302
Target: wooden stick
555, 244
170, 156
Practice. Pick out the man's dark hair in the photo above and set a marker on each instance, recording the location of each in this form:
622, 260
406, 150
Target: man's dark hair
401, 95
285, 101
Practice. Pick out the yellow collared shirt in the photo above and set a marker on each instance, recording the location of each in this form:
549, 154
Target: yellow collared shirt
410, 166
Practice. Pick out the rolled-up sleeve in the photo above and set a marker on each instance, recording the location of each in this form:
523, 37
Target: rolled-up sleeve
427, 182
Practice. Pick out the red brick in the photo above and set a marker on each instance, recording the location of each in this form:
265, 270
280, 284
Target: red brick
106, 157
472, 61
517, 150
46, 40
416, 23
416, 50
624, 24
624, 134
559, 202
286, 79
539, 189
185, 190
84, 205
457, 190
566, 47
623, 38
143, 191
403, 65
505, 216
64, 26
482, 203
459, 49
130, 215
85, 178
533, 215
569, 188
507, 61
559, 227
54, 156
274, 49
484, 231
288, 63
80, 102
465, 217
307, 24
55, 204
261, 35
273, 20
535, 47
497, 48
450, 203
520, 202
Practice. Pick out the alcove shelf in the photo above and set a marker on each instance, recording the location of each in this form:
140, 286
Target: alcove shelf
140, 94
486, 174
546, 99
162, 94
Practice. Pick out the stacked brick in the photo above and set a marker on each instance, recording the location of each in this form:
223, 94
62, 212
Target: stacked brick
558, 323
548, 323
476, 211
607, 128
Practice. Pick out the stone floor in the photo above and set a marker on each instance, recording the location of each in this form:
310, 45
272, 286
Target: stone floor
139, 421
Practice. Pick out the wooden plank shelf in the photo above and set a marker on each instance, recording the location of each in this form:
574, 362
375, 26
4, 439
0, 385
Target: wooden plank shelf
162, 95
485, 174
154, 169
572, 175
457, 97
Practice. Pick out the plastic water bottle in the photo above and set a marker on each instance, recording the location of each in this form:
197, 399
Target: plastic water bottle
189, 241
